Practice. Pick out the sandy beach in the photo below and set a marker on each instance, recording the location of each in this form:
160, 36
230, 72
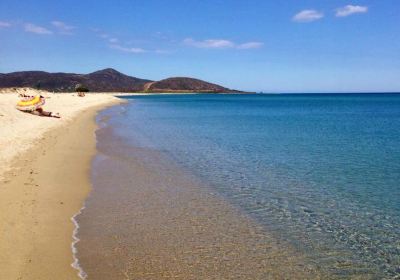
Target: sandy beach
44, 180
203, 142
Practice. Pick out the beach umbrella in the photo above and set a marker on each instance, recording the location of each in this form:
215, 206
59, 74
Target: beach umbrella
30, 104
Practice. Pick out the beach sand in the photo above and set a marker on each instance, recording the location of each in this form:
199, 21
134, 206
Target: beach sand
44, 170
19, 131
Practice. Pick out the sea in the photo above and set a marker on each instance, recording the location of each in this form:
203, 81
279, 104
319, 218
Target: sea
316, 175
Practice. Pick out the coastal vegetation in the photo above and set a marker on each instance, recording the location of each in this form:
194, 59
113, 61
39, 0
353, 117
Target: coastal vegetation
81, 88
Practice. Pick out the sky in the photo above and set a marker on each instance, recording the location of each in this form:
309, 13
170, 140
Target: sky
258, 45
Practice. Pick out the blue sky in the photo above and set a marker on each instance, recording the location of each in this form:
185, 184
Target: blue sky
272, 46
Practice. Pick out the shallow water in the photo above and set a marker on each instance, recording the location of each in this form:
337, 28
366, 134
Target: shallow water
148, 219
319, 173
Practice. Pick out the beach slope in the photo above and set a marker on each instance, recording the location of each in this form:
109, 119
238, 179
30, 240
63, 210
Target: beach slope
44, 179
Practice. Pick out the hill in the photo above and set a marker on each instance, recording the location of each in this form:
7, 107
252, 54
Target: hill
103, 80
184, 84
106, 80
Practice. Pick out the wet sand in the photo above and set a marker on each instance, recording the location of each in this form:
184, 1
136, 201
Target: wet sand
42, 190
147, 219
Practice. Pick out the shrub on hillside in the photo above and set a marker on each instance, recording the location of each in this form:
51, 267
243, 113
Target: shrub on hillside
81, 88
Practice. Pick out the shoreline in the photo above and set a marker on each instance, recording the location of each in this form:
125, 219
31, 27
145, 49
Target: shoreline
75, 239
159, 221
45, 183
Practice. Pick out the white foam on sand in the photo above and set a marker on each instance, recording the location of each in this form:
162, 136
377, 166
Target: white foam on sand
81, 273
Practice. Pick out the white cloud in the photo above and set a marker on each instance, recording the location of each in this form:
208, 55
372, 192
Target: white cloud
30, 27
350, 9
250, 45
209, 44
127, 49
62, 27
162, 52
221, 44
94, 29
4, 24
116, 44
307, 16
137, 50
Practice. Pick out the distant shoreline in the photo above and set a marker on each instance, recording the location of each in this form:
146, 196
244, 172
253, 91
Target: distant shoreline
122, 93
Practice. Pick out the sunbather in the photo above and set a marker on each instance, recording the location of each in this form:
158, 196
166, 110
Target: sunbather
33, 105
40, 112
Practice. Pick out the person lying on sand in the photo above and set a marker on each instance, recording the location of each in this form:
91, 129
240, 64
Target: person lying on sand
40, 112
33, 105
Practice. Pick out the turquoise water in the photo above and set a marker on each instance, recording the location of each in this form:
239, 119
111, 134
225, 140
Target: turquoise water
321, 172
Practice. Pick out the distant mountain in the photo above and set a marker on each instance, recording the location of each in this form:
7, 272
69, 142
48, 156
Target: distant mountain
107, 80
182, 84
103, 80
113, 81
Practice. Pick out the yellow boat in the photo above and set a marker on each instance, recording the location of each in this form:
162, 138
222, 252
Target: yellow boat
31, 104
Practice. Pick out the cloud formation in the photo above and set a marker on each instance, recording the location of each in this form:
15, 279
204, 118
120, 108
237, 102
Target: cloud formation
113, 40
127, 49
4, 24
62, 27
350, 9
162, 52
250, 45
32, 28
209, 44
307, 16
115, 44
107, 37
220, 44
